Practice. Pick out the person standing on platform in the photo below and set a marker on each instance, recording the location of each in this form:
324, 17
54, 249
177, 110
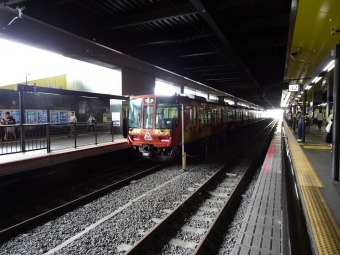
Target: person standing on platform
91, 122
289, 119
2, 129
72, 121
300, 123
330, 117
319, 118
9, 121
307, 125
329, 136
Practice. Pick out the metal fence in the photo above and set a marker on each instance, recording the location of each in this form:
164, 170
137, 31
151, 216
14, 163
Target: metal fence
26, 137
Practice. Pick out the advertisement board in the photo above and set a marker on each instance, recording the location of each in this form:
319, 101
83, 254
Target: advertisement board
42, 116
63, 116
31, 116
13, 112
54, 117
116, 119
16, 115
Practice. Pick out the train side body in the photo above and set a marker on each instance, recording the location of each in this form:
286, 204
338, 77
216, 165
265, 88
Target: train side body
155, 123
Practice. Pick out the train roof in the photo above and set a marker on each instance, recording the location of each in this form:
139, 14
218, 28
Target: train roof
199, 98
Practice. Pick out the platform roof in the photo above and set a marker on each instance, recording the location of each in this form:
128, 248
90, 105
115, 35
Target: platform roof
246, 48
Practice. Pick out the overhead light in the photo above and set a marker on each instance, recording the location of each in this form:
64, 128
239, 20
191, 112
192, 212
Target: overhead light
329, 65
308, 87
88, 97
316, 79
301, 92
54, 94
299, 96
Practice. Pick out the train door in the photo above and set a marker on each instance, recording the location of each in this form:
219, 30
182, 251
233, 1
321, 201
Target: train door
149, 113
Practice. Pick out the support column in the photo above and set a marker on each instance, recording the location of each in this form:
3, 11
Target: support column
336, 121
22, 117
182, 89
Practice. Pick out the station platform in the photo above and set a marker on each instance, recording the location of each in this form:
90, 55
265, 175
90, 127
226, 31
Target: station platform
261, 231
24, 161
320, 195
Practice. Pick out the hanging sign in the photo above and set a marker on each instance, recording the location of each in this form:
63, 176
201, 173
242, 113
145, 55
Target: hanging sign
294, 87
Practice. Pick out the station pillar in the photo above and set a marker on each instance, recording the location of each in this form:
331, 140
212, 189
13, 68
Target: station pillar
336, 117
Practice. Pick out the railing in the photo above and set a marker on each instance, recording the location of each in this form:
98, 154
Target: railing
27, 137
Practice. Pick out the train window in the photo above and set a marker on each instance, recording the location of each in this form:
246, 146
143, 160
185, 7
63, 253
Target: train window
167, 110
193, 116
148, 116
232, 115
211, 116
205, 116
135, 112
218, 116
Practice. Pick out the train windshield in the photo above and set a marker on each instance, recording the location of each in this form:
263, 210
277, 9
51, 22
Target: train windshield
135, 112
148, 116
167, 110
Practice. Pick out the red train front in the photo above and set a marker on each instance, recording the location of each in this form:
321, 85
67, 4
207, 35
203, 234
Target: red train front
155, 128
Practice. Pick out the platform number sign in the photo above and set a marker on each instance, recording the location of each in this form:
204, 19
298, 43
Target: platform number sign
295, 87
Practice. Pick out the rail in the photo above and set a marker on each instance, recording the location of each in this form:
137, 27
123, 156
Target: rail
29, 137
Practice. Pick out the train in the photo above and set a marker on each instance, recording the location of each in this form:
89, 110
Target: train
154, 123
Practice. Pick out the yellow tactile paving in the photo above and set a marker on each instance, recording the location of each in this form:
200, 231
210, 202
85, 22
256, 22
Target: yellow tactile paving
305, 171
325, 229
317, 147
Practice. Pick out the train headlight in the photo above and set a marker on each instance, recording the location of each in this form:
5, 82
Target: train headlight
164, 139
134, 138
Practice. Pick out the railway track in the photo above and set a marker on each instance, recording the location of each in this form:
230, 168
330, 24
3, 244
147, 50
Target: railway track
125, 220
189, 228
37, 211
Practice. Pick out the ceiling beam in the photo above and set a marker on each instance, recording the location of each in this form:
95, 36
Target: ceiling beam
190, 55
61, 2
269, 22
206, 16
148, 17
235, 3
13, 2
173, 38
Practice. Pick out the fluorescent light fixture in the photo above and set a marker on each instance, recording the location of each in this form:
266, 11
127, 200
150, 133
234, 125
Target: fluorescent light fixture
301, 92
299, 96
231, 102
329, 65
88, 97
316, 79
330, 68
54, 94
308, 87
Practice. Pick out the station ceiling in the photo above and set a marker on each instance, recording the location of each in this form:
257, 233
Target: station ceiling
241, 47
